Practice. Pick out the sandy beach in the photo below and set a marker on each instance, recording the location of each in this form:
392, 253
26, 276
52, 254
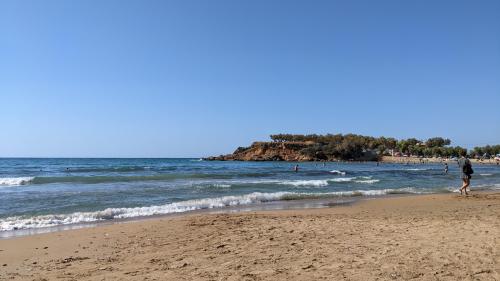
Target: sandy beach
428, 237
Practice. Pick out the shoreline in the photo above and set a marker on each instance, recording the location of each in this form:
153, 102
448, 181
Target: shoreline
399, 237
416, 160
277, 205
281, 205
265, 206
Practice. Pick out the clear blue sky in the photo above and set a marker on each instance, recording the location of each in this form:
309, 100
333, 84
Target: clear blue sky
197, 78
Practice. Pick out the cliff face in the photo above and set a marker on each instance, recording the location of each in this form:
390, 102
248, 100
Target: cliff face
288, 151
268, 151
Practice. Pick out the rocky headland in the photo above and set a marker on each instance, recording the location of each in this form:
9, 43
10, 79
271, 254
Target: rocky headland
283, 151
267, 151
352, 147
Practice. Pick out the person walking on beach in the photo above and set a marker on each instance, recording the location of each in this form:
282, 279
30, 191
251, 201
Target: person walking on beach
465, 173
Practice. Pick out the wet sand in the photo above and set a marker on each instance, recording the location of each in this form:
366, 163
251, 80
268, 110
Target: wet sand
428, 237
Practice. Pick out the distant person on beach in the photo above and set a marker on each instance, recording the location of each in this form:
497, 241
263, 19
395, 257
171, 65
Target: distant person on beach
465, 172
296, 168
446, 168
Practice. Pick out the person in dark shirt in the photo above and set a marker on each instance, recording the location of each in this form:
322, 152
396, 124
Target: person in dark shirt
465, 173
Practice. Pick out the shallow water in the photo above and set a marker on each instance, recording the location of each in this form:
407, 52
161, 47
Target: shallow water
36, 193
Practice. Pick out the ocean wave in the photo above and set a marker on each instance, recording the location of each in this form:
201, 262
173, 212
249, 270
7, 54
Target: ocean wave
473, 187
110, 179
367, 181
106, 169
13, 223
486, 175
456, 189
15, 181
416, 169
22, 222
220, 185
317, 183
226, 179
291, 183
338, 172
342, 179
495, 186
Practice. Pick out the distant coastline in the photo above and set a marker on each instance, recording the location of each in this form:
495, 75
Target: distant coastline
355, 148
417, 160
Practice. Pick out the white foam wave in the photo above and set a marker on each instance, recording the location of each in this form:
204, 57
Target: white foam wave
456, 189
14, 223
486, 175
317, 183
15, 181
337, 172
367, 181
342, 179
416, 169
325, 182
495, 186
221, 185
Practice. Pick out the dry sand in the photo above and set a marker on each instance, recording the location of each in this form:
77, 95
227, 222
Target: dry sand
431, 237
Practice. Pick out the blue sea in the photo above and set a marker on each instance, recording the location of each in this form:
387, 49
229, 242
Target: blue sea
41, 193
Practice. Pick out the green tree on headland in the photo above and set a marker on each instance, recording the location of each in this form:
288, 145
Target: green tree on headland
488, 151
437, 142
353, 146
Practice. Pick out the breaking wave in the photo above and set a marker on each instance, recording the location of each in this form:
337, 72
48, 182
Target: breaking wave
317, 183
220, 185
416, 169
323, 182
110, 179
23, 222
342, 180
107, 169
367, 181
15, 181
